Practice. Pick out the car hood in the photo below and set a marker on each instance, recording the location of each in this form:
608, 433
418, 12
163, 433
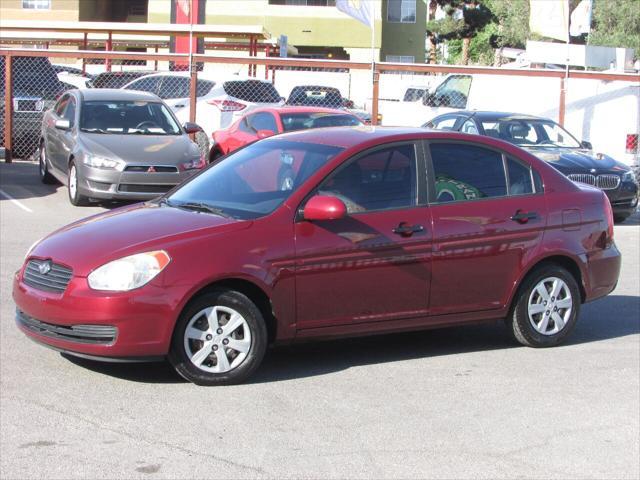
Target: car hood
94, 241
569, 160
142, 149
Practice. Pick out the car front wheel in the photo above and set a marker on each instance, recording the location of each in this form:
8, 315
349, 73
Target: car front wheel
75, 197
546, 308
219, 339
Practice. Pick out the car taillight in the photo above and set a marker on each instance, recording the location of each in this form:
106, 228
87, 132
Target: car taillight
609, 212
227, 105
632, 143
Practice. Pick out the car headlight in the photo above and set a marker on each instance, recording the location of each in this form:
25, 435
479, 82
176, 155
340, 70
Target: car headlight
130, 272
629, 177
101, 162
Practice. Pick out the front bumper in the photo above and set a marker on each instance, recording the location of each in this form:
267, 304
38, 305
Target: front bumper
81, 321
113, 184
624, 199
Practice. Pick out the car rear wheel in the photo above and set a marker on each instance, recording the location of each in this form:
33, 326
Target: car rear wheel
220, 339
45, 176
546, 308
75, 197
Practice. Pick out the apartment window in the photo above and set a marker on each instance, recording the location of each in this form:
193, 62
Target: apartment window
400, 58
36, 4
306, 3
401, 11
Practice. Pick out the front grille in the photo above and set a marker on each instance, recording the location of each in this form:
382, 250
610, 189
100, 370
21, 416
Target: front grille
133, 188
96, 334
608, 182
583, 178
54, 279
145, 169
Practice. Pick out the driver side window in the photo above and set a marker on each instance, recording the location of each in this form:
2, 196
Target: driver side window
380, 180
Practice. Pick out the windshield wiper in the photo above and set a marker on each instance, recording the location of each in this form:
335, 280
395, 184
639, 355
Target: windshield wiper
94, 130
200, 207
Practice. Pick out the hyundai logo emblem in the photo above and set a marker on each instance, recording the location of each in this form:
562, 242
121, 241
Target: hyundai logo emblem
44, 268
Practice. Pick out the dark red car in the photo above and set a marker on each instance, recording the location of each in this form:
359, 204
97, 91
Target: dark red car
265, 122
377, 231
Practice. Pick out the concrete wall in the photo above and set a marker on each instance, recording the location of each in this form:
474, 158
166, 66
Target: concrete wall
61, 10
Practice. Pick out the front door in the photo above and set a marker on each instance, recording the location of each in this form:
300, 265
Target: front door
374, 264
489, 216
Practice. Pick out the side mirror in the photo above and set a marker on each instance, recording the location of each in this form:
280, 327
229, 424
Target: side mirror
191, 127
324, 207
265, 133
62, 124
586, 145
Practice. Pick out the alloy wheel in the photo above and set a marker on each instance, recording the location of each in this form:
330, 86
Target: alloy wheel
550, 306
217, 339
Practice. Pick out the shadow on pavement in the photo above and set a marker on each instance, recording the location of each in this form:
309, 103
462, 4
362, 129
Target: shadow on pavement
323, 358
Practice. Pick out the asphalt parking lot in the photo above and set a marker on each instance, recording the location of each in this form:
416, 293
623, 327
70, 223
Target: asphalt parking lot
455, 403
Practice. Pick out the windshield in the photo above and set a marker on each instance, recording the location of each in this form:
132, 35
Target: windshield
127, 118
303, 121
530, 132
255, 180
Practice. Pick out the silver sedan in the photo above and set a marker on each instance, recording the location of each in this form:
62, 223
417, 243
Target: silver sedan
115, 144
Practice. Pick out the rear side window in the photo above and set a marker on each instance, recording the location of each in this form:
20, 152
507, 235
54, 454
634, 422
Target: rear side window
174, 87
253, 91
519, 178
467, 172
148, 84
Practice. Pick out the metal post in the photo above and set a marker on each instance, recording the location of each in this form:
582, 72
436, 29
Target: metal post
8, 108
108, 47
155, 62
267, 53
375, 96
193, 90
84, 47
563, 94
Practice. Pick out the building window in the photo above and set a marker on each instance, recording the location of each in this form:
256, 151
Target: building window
36, 4
401, 11
400, 58
306, 3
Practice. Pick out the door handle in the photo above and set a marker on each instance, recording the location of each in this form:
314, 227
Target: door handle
406, 230
523, 217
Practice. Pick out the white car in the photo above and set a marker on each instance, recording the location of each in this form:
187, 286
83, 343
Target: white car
219, 102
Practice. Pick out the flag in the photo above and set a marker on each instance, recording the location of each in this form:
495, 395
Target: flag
550, 18
361, 10
581, 19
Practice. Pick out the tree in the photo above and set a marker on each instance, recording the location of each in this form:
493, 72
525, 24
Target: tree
463, 20
616, 24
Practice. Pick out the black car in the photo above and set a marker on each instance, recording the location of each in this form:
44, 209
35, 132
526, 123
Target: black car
316, 96
35, 89
116, 79
550, 142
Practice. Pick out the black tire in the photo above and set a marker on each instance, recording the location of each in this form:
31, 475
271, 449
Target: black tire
43, 168
76, 198
179, 357
519, 321
215, 155
620, 218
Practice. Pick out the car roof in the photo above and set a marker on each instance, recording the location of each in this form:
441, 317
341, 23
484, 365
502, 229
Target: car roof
346, 137
116, 94
490, 115
300, 109
227, 78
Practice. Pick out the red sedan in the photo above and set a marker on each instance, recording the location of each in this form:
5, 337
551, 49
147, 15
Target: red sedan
376, 231
265, 122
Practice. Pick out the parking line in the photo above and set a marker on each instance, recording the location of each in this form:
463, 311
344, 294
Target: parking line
15, 202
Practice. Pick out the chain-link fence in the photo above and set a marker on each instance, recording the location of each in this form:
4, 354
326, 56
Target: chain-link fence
219, 91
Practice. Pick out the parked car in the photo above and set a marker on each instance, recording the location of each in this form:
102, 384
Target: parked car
116, 79
552, 143
220, 103
381, 230
326, 97
35, 90
113, 144
265, 122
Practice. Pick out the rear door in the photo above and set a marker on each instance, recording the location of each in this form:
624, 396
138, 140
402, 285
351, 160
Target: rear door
374, 264
489, 215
